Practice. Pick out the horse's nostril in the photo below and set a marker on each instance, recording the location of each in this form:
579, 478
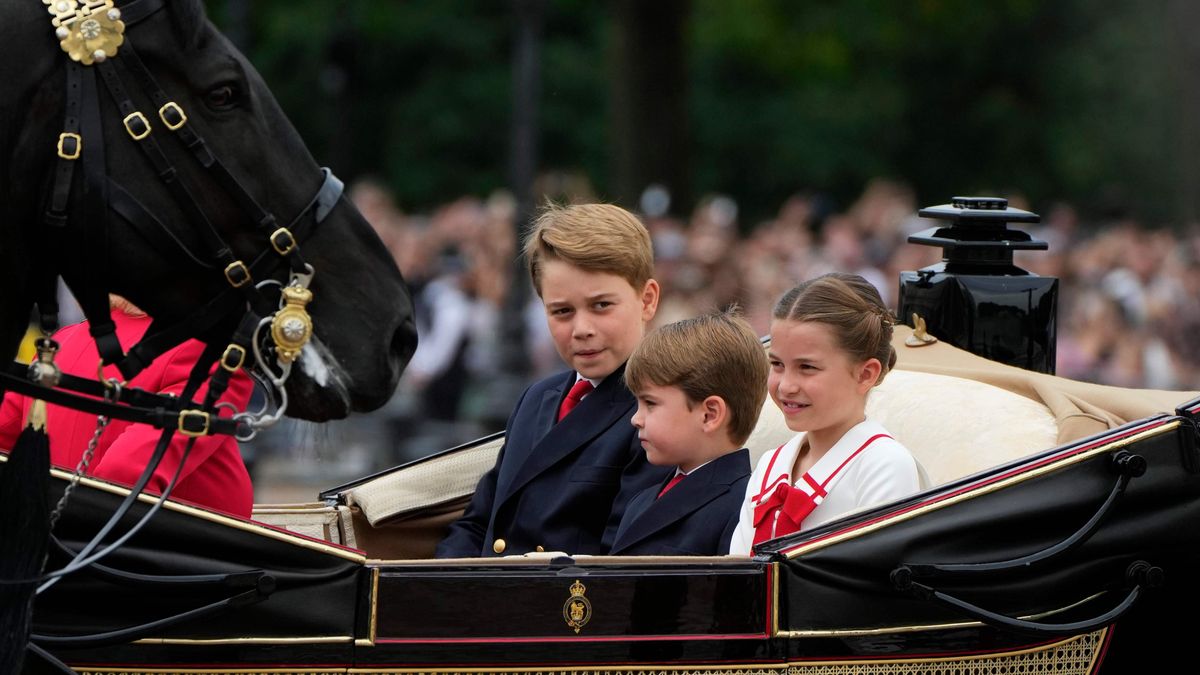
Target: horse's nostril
404, 342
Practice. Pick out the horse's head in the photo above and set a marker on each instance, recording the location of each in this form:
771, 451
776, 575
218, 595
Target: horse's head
361, 309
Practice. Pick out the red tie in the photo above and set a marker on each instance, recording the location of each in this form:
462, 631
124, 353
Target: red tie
670, 484
582, 388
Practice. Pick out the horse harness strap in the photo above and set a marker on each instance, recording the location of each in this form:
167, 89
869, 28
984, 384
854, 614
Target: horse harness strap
159, 338
137, 10
70, 146
138, 128
175, 119
132, 211
93, 298
133, 405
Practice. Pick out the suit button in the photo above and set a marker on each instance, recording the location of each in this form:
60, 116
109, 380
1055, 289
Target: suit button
499, 546
541, 550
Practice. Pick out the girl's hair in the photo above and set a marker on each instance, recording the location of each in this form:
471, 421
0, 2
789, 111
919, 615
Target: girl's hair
852, 308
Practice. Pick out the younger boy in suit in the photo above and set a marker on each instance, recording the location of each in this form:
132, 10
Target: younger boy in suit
570, 460
700, 384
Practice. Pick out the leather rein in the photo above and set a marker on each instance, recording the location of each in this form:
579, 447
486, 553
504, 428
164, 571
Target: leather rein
271, 332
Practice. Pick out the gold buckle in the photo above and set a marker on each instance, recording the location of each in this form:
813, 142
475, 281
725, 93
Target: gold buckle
137, 116
233, 267
235, 350
68, 136
200, 414
283, 250
109, 382
169, 106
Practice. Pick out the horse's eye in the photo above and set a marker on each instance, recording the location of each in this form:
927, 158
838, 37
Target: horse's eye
222, 96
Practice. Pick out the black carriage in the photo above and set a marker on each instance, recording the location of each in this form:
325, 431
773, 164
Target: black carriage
1045, 546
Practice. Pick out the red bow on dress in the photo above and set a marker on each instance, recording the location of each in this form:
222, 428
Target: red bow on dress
784, 510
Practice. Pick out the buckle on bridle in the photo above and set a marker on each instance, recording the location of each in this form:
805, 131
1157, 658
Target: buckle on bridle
137, 125
237, 273
111, 384
233, 358
282, 241
177, 116
193, 422
76, 143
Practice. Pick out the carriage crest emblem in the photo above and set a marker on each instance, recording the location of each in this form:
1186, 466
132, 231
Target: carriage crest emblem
577, 610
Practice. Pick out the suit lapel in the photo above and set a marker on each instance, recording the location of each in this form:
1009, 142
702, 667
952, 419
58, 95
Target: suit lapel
689, 495
611, 403
543, 421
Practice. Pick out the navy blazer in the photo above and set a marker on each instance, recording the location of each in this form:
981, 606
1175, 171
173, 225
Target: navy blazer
696, 517
562, 486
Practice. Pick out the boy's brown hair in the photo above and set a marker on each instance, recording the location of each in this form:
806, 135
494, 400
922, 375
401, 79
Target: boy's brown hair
710, 355
594, 237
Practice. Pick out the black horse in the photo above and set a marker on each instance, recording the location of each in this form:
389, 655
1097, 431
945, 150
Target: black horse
362, 312
169, 175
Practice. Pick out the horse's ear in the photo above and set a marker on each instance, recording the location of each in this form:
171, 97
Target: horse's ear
188, 19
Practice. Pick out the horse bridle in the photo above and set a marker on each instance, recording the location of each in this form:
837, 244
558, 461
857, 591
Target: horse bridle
92, 32
275, 332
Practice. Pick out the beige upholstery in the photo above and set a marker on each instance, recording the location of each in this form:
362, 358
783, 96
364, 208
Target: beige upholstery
429, 483
1080, 409
315, 520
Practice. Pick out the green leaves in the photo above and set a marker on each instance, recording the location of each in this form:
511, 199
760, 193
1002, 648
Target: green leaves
1067, 99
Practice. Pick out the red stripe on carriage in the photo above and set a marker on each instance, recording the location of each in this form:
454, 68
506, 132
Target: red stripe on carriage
562, 638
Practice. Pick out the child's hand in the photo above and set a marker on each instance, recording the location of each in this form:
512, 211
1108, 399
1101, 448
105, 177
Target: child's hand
540, 555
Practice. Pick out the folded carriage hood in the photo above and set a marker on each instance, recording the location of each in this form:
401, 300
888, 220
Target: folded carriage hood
1081, 409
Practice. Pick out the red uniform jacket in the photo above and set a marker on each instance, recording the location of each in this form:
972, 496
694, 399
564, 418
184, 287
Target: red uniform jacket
214, 475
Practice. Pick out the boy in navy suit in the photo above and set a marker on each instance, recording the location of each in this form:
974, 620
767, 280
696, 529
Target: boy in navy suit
700, 384
570, 460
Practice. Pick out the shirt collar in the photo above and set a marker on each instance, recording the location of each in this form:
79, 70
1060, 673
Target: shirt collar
679, 471
595, 383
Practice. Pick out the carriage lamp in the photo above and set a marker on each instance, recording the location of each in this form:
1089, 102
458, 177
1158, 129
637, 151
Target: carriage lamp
976, 298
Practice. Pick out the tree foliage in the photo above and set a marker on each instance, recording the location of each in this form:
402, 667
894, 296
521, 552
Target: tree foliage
1069, 99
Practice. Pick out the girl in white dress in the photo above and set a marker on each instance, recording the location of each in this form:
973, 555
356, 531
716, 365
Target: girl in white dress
830, 345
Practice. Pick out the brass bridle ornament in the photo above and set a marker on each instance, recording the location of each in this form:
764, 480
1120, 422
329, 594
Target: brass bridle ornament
88, 30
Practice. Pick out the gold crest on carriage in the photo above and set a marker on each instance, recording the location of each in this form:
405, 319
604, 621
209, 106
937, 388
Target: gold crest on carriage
577, 610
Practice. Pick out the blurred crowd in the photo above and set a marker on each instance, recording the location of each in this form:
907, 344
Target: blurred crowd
1129, 298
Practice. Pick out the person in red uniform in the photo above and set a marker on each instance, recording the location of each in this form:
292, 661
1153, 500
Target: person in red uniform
214, 475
